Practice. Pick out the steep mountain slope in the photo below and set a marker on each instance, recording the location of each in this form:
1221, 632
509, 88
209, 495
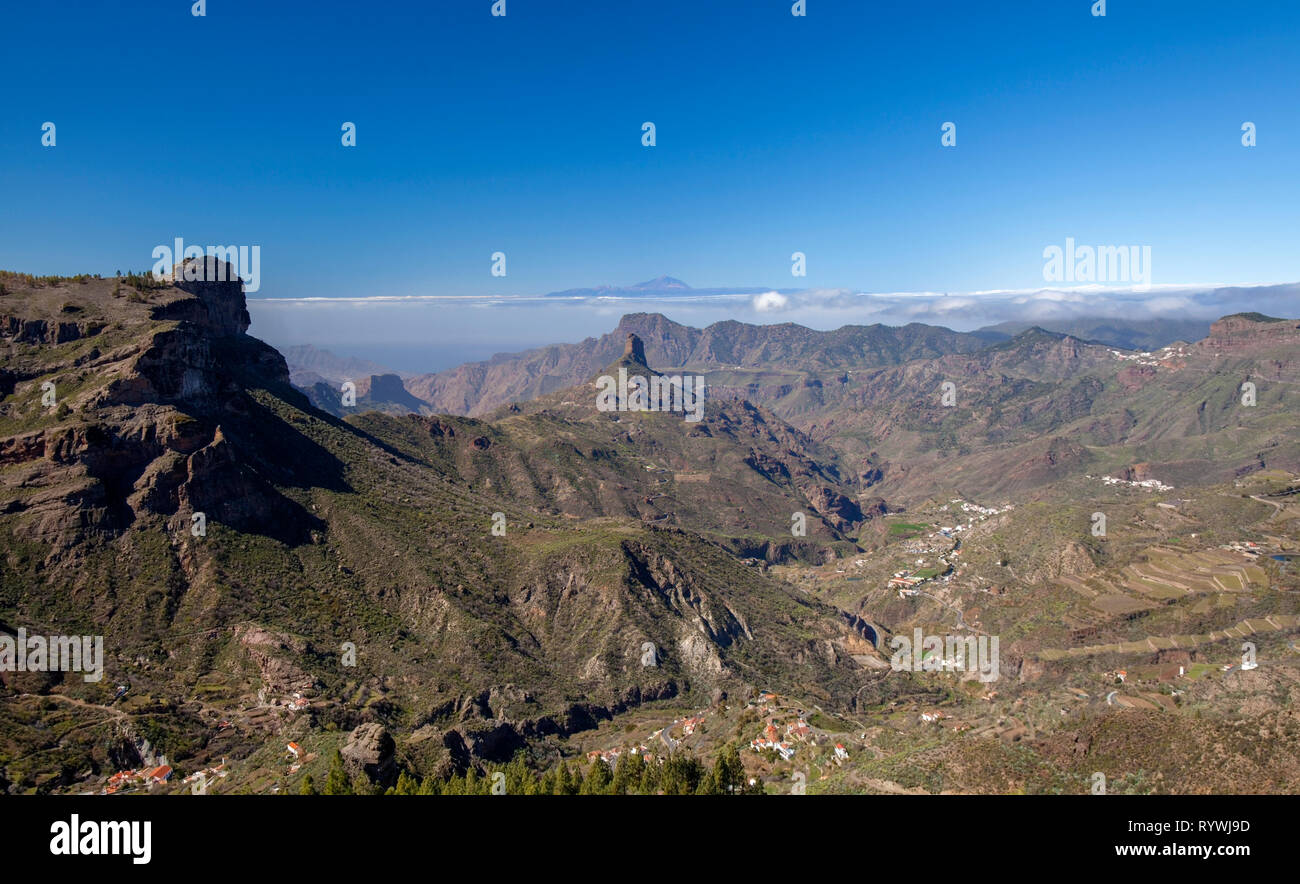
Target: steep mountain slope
354, 563
474, 585
737, 475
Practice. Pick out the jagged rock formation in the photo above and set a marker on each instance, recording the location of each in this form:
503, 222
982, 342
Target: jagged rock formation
634, 349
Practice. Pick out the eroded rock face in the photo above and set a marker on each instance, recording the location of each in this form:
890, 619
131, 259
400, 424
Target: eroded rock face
1138, 472
1075, 560
146, 417
274, 654
837, 509
41, 331
1136, 376
873, 507
634, 350
872, 470
370, 751
1244, 331
219, 306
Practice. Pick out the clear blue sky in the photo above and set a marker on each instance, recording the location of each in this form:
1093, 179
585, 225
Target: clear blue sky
775, 134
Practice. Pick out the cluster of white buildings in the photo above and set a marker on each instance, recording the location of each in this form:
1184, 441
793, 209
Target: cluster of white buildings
973, 511
1145, 484
203, 776
1149, 358
968, 507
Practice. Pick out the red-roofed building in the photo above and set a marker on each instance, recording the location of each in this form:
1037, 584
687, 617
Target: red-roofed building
118, 780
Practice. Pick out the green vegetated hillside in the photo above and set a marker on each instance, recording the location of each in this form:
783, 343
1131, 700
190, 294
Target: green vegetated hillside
381, 596
375, 531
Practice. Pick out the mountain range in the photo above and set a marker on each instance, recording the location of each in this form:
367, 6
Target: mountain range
465, 566
867, 391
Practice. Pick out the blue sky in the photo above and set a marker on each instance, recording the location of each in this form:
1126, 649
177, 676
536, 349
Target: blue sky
775, 134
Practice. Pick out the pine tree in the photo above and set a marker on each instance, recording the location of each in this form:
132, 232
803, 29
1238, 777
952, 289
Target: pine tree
519, 779
728, 771
548, 784
598, 779
569, 783
308, 787
406, 785
681, 775
627, 773
337, 781
649, 780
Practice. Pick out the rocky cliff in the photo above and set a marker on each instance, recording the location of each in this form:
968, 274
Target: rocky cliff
132, 411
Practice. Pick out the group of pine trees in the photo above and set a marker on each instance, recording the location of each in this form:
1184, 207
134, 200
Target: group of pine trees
27, 280
143, 282
678, 774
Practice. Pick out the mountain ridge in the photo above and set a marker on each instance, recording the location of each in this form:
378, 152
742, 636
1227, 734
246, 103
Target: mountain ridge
379, 531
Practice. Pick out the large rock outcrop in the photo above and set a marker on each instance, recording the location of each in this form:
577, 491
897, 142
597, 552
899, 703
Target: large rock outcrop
151, 420
218, 305
371, 752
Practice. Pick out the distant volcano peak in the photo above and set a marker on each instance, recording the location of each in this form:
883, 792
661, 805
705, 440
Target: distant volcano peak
660, 284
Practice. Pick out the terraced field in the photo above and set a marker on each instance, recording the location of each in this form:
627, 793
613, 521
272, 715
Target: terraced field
1171, 574
1156, 643
1207, 580
1166, 576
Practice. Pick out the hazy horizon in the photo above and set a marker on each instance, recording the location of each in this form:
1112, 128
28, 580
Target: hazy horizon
419, 334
